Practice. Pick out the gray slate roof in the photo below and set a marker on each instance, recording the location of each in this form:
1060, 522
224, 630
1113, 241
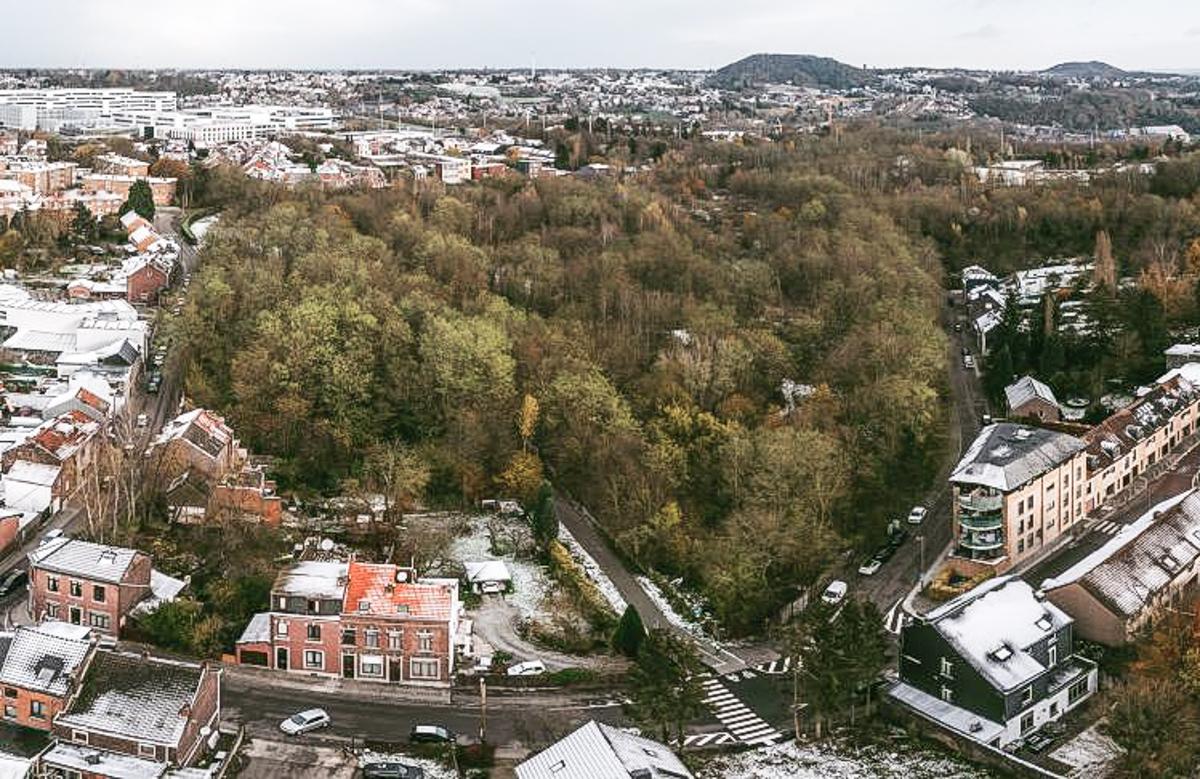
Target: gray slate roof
599, 751
1005, 455
1026, 389
97, 562
40, 660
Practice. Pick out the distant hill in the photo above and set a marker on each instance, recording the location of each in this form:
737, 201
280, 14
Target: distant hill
1091, 69
800, 69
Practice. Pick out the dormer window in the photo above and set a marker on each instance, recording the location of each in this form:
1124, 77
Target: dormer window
364, 605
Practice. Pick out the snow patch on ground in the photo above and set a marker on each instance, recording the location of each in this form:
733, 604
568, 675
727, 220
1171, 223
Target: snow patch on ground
592, 571
689, 626
529, 578
829, 761
1089, 754
433, 769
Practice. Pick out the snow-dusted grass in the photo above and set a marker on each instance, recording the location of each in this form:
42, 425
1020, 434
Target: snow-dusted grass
592, 571
828, 761
686, 624
1089, 754
433, 769
530, 581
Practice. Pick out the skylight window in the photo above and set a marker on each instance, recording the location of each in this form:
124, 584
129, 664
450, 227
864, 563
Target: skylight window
1044, 623
1001, 653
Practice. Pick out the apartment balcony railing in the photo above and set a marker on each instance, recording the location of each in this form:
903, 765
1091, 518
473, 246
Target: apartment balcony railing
981, 542
981, 521
981, 502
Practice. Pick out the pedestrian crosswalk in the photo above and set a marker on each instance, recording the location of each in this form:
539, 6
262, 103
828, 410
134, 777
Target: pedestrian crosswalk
744, 724
776, 667
739, 676
704, 740
1107, 527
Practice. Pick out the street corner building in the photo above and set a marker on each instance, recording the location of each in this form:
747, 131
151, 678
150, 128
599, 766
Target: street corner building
994, 664
600, 751
369, 621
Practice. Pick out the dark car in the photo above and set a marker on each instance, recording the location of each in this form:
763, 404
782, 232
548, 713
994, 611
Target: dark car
392, 770
431, 734
13, 582
884, 553
896, 539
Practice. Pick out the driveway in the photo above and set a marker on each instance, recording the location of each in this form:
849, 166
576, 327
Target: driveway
496, 623
272, 759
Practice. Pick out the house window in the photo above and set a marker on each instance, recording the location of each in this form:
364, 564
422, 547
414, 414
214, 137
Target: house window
98, 593
424, 669
1027, 695
371, 666
79, 736
147, 750
100, 620
314, 631
37, 710
947, 668
52, 610
424, 641
10, 692
395, 640
1077, 691
314, 607
947, 694
314, 659
281, 627
348, 637
52, 583
76, 589
371, 638
1027, 723
10, 711
1053, 655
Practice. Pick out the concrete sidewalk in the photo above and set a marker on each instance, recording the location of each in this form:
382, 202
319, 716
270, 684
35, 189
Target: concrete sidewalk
351, 689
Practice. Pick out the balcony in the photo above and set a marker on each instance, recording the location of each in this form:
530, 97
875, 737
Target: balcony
981, 522
981, 502
981, 541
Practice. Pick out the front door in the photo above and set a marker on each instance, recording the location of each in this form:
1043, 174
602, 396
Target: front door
281, 658
76, 615
395, 669
348, 666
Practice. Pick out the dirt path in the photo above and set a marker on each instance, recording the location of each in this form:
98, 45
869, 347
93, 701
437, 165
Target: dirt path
496, 623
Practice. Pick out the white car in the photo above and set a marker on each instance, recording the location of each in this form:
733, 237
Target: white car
834, 592
142, 420
870, 567
483, 664
305, 721
917, 515
968, 361
527, 668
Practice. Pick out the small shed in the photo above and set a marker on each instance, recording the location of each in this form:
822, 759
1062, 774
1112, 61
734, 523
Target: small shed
489, 576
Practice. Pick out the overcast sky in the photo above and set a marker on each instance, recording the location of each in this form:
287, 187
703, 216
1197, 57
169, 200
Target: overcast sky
1018, 34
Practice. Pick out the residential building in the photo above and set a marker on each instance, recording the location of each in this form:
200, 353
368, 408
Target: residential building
1016, 490
1148, 567
1178, 355
41, 177
119, 165
83, 583
146, 276
40, 668
599, 751
376, 622
69, 442
994, 664
162, 190
1029, 398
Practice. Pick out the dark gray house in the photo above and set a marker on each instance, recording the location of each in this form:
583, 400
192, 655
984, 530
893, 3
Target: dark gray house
995, 663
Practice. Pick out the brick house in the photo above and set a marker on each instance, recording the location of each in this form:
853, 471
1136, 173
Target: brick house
376, 622
68, 441
162, 190
1029, 398
40, 668
146, 275
135, 716
83, 583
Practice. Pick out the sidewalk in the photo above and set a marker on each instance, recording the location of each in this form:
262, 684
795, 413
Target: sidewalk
351, 689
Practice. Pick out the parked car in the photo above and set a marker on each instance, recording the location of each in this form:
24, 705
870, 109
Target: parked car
13, 582
884, 553
958, 327
1037, 742
968, 361
527, 668
917, 515
142, 420
966, 352
870, 567
897, 538
834, 592
392, 770
431, 734
483, 664
305, 721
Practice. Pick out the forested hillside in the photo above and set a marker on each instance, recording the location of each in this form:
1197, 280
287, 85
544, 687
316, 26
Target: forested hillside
629, 340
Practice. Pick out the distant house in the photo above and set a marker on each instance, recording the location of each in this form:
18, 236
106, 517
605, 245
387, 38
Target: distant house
1179, 355
83, 583
1149, 566
488, 576
40, 669
146, 276
600, 751
1029, 398
994, 664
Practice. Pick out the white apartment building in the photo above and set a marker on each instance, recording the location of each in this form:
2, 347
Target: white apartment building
50, 109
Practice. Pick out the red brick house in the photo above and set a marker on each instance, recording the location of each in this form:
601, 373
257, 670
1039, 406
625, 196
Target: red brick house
146, 276
82, 583
376, 622
39, 670
67, 441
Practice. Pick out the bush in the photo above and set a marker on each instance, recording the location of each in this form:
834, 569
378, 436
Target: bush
950, 583
593, 605
572, 676
627, 638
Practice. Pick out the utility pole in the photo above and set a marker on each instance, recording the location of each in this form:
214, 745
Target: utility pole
482, 710
921, 568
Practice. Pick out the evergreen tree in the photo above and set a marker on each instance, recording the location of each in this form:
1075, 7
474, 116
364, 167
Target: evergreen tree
630, 633
83, 226
543, 517
665, 687
141, 200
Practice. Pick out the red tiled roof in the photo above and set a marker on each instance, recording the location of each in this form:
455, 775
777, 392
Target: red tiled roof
64, 433
373, 590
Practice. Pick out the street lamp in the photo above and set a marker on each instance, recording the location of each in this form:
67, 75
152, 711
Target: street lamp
921, 565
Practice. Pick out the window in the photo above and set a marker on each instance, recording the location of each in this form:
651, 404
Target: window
1077, 691
98, 593
395, 640
1053, 655
349, 636
10, 692
99, 620
147, 750
314, 631
947, 694
1027, 723
79, 736
1020, 545
37, 710
314, 607
76, 589
423, 669
52, 583
370, 665
1054, 709
52, 610
371, 638
1027, 696
947, 668
314, 659
10, 711
424, 641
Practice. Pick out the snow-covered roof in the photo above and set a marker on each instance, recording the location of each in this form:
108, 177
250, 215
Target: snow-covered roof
1189, 372
92, 761
258, 630
1142, 559
1182, 350
993, 626
949, 715
1005, 455
599, 751
97, 562
41, 660
487, 571
163, 589
312, 579
33, 473
1026, 389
